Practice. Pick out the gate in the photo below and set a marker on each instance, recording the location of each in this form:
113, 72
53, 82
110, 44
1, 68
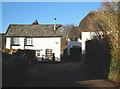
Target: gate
75, 53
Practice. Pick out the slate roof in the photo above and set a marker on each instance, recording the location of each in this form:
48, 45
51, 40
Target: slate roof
88, 22
33, 30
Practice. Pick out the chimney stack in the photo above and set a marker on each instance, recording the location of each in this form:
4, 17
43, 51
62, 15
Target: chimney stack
54, 23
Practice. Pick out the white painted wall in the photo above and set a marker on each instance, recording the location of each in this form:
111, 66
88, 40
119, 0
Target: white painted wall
86, 36
42, 44
8, 42
47, 43
70, 44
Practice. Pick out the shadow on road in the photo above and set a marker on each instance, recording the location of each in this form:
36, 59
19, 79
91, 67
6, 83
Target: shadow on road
64, 74
67, 73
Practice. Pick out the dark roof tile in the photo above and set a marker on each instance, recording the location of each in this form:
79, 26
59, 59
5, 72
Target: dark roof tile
33, 30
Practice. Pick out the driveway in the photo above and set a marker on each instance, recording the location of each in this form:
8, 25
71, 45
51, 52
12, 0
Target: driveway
64, 74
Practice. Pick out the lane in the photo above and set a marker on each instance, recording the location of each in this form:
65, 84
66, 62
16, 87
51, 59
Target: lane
68, 74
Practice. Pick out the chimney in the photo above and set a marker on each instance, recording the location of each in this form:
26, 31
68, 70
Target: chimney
35, 23
54, 23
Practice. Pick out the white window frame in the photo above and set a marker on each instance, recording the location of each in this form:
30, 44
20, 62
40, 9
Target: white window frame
15, 41
28, 41
38, 52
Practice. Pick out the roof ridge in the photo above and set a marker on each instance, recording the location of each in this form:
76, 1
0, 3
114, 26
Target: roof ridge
32, 25
33, 30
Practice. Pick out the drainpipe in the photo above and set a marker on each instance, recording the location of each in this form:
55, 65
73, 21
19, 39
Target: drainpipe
24, 43
11, 45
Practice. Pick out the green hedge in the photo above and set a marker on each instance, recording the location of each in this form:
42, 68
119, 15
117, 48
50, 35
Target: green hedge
115, 68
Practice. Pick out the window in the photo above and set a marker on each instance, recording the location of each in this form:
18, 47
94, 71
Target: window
28, 41
38, 53
15, 41
48, 52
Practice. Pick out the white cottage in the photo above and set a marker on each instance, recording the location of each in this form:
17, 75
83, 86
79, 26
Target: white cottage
86, 35
44, 39
88, 28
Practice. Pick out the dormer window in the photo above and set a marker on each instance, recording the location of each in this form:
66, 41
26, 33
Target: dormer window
15, 41
28, 41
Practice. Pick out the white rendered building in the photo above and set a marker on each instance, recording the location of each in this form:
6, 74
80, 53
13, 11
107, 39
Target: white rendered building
44, 39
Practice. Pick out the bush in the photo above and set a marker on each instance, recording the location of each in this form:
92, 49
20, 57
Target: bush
98, 58
13, 70
115, 68
9, 51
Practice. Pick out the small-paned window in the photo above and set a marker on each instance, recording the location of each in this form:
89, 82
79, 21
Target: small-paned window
48, 52
38, 53
15, 41
28, 41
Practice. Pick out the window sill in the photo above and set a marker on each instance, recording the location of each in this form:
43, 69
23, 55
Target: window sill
28, 45
15, 45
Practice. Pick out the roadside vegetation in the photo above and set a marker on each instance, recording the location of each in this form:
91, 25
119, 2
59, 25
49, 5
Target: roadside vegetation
108, 21
13, 68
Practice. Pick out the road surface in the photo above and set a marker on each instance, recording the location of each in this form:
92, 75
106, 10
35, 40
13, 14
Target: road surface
64, 74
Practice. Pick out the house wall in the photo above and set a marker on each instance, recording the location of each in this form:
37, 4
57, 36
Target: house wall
42, 44
86, 36
47, 43
8, 42
70, 44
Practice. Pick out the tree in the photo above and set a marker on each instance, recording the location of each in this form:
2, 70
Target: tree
71, 32
65, 32
108, 20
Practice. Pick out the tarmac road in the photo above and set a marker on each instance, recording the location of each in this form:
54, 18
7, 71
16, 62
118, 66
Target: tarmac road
65, 74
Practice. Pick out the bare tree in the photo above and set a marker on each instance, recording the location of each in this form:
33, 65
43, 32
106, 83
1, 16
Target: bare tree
108, 20
71, 32
65, 33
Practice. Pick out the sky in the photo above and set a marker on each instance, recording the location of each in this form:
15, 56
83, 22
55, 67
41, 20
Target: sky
66, 13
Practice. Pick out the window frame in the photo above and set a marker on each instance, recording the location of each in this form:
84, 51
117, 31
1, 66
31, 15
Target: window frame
28, 41
49, 53
38, 52
15, 41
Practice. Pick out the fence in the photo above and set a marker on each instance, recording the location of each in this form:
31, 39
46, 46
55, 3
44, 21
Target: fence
75, 54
